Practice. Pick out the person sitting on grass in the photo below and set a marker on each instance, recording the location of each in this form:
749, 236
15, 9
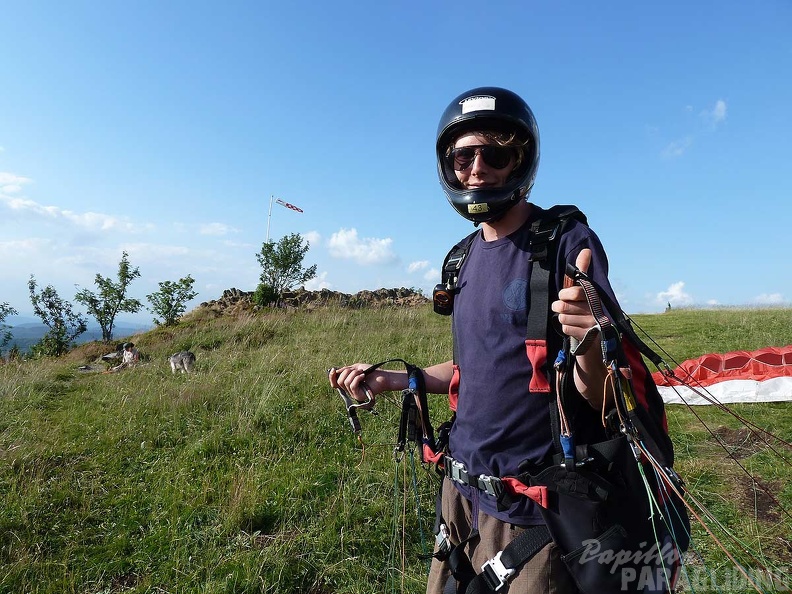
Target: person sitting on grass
131, 357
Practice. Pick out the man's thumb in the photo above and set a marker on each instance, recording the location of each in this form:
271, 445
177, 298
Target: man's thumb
583, 260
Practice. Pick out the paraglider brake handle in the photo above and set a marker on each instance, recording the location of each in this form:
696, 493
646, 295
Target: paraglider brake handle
353, 405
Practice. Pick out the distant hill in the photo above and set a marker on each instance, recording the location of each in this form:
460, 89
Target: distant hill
27, 334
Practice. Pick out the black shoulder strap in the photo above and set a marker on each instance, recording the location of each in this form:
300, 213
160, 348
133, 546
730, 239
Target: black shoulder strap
546, 230
454, 259
542, 343
549, 226
443, 294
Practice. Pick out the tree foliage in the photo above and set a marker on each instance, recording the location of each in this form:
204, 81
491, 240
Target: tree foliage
111, 298
170, 302
264, 295
64, 324
282, 264
5, 332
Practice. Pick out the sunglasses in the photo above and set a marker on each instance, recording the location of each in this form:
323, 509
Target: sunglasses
495, 156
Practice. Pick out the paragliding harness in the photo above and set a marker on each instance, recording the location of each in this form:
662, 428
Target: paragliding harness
604, 501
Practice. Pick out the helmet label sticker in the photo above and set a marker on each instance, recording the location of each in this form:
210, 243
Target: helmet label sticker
477, 208
478, 103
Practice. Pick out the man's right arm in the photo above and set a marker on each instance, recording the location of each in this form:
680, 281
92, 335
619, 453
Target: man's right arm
351, 379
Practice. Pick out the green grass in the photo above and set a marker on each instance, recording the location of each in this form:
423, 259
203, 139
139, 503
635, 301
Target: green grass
244, 477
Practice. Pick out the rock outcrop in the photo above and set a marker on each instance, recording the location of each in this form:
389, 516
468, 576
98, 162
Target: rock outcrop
234, 300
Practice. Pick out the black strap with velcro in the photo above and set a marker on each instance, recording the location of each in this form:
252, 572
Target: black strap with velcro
516, 554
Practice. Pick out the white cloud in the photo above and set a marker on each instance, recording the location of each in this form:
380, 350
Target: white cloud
217, 229
677, 148
419, 265
716, 114
769, 299
346, 244
155, 251
20, 206
8, 247
241, 245
94, 221
432, 275
313, 238
10, 183
11, 250
675, 295
719, 112
318, 283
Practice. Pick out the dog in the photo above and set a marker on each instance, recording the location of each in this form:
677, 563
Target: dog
182, 362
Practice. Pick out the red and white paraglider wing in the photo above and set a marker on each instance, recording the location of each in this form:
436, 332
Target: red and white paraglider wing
764, 375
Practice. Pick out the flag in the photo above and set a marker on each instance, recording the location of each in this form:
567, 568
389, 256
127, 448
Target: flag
287, 205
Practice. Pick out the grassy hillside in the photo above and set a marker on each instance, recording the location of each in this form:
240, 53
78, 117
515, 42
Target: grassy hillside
244, 477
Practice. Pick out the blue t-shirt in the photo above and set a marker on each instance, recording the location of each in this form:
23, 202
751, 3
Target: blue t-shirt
499, 422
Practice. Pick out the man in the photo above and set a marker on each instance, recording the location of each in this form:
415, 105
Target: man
487, 155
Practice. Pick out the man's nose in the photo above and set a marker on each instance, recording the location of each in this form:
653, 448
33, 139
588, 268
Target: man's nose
478, 163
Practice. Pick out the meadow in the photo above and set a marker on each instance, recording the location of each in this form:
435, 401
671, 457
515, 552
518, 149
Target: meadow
245, 476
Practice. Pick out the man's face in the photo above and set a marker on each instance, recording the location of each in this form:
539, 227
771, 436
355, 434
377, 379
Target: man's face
480, 173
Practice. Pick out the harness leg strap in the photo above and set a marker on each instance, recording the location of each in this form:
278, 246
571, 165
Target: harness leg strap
498, 571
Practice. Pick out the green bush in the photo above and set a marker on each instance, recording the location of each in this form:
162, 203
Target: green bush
265, 296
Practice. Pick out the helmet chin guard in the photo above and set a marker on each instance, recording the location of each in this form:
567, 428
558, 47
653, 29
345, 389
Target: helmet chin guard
487, 109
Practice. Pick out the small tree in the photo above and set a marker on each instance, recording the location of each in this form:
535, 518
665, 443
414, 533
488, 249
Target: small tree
5, 332
111, 298
170, 302
64, 324
281, 264
14, 354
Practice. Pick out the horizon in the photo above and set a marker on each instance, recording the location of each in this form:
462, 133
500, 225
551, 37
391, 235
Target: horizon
138, 321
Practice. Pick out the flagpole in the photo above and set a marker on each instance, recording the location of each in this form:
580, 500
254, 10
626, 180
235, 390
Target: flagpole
269, 216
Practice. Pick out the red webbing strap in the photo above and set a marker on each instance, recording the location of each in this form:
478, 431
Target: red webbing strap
537, 355
516, 487
538, 302
431, 456
453, 389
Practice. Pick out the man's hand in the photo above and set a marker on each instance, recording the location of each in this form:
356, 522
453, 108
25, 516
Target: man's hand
572, 308
576, 319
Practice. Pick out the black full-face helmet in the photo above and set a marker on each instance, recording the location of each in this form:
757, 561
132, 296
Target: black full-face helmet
487, 109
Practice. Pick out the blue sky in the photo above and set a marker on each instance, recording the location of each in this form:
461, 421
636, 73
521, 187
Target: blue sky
163, 129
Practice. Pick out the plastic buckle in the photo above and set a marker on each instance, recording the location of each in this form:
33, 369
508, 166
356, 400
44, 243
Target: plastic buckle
456, 471
443, 542
490, 485
496, 573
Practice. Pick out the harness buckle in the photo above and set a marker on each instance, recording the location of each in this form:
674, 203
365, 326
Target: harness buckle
443, 542
456, 471
495, 573
491, 485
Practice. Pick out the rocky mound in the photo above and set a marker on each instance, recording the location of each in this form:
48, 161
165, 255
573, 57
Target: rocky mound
234, 300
